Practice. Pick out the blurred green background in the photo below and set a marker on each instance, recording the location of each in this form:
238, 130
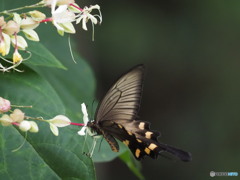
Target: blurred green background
191, 93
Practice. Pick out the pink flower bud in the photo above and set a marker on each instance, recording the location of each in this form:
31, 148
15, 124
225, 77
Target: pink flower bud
5, 105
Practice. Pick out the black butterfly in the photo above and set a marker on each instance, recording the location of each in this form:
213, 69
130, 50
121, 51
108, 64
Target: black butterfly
116, 117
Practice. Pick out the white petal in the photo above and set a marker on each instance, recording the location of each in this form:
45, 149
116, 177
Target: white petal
82, 131
80, 18
60, 121
93, 19
17, 18
7, 42
21, 42
60, 9
54, 129
68, 27
57, 26
31, 34
85, 114
53, 6
84, 24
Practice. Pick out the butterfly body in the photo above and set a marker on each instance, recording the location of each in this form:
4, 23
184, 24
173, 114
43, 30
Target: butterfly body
117, 117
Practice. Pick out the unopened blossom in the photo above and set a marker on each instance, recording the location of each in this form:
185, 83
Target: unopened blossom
17, 115
29, 23
5, 105
24, 126
17, 57
30, 34
11, 27
60, 121
34, 127
6, 120
37, 15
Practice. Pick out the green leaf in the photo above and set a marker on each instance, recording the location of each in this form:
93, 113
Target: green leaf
132, 164
41, 56
43, 155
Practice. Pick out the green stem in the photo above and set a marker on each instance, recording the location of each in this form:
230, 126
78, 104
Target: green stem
35, 118
37, 5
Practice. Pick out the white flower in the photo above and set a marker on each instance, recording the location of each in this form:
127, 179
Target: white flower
60, 16
85, 16
85, 120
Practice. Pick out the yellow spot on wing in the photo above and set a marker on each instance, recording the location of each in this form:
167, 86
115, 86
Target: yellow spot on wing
152, 146
120, 126
129, 133
141, 125
148, 134
137, 153
126, 142
147, 150
140, 141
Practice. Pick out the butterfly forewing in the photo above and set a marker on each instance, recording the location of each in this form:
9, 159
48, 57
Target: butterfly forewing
122, 101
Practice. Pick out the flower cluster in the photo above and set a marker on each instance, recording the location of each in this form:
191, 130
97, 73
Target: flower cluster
18, 118
15, 28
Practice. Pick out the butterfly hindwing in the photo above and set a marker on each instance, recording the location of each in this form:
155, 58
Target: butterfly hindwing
134, 138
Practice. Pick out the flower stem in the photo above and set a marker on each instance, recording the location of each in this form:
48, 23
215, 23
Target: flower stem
76, 7
37, 5
16, 106
35, 118
46, 20
77, 124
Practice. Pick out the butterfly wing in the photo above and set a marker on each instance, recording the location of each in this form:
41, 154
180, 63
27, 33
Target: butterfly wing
116, 117
122, 101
